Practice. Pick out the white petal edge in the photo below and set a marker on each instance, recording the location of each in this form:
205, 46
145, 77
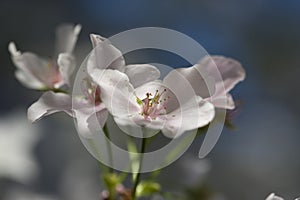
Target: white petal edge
104, 55
202, 83
222, 101
192, 115
13, 49
137, 126
96, 39
66, 38
28, 81
140, 74
272, 196
24, 72
231, 71
116, 91
66, 66
48, 104
90, 118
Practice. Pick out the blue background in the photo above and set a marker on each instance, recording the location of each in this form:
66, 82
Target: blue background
259, 157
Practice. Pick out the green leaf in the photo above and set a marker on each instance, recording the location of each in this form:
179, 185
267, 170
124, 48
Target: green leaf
112, 180
147, 188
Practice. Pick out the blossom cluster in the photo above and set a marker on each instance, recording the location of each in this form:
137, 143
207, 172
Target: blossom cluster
135, 95
132, 94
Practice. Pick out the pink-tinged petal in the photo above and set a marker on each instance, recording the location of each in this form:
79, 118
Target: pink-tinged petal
29, 68
216, 70
274, 197
66, 38
48, 104
141, 73
181, 87
221, 72
104, 55
222, 101
66, 65
89, 118
28, 80
96, 39
202, 83
193, 114
138, 126
231, 71
116, 91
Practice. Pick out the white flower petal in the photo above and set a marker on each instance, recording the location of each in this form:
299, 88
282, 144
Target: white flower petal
222, 73
66, 38
48, 104
66, 65
191, 115
274, 197
13, 49
116, 92
89, 118
222, 101
181, 87
104, 55
231, 71
141, 73
28, 80
96, 39
137, 126
30, 68
202, 83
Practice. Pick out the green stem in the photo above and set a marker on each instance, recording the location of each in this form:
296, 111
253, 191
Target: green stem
138, 176
110, 157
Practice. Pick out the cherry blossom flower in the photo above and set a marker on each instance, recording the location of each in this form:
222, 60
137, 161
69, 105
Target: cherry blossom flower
216, 90
83, 108
166, 105
107, 56
38, 73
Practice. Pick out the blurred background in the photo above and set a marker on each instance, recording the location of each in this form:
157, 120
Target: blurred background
47, 160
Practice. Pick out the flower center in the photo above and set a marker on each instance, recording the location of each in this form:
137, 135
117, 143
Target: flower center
56, 76
153, 105
91, 91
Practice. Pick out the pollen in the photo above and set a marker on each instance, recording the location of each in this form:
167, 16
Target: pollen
152, 106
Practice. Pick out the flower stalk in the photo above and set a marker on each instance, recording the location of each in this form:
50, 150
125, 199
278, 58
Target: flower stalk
110, 157
138, 176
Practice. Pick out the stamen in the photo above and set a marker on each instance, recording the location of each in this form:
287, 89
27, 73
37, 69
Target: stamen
91, 91
152, 107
